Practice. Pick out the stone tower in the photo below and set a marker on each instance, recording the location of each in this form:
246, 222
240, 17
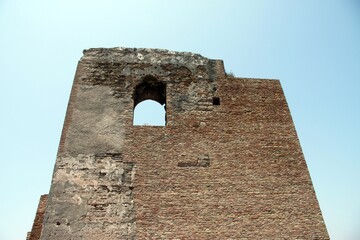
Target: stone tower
226, 165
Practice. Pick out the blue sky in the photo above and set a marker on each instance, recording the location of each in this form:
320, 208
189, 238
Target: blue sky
311, 46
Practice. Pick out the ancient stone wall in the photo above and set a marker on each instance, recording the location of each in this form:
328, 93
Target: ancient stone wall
227, 165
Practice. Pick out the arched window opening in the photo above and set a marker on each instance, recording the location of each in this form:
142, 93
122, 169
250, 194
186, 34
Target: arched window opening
149, 103
149, 113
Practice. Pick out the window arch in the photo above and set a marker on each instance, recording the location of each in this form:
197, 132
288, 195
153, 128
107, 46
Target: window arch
148, 112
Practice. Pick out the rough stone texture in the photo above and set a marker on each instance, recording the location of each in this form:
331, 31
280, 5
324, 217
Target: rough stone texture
228, 171
39, 218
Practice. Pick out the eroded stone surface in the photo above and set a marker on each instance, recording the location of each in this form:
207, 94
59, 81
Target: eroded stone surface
91, 197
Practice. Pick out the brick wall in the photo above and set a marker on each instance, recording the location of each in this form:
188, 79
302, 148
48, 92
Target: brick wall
228, 171
39, 218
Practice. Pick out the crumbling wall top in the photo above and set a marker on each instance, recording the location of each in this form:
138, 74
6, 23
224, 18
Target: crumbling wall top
145, 55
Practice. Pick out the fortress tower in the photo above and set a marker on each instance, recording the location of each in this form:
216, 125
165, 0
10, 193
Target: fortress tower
226, 165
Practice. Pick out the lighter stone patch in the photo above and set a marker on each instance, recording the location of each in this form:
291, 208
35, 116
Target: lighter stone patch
140, 56
96, 119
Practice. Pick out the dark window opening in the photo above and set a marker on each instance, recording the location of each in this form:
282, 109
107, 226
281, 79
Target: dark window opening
216, 101
149, 103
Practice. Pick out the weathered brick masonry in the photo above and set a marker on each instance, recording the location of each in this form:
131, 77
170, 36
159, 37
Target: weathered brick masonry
39, 219
227, 165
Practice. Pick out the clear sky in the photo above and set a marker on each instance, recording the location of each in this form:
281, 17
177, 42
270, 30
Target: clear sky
313, 47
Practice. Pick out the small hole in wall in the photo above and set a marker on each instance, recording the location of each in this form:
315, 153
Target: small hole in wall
216, 101
58, 223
